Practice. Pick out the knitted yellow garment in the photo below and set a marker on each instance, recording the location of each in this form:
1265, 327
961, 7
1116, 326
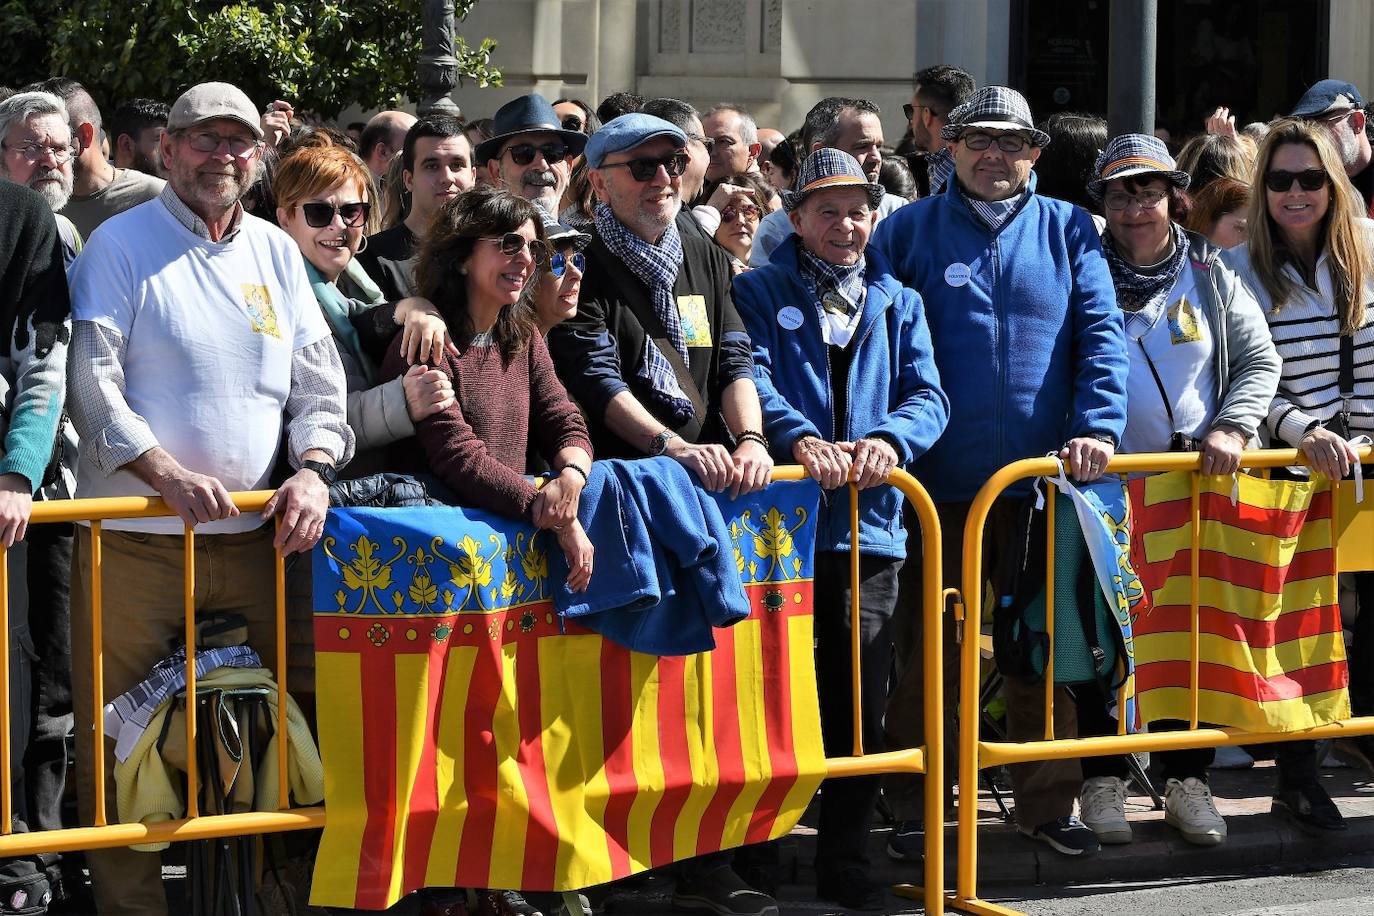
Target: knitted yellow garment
149, 790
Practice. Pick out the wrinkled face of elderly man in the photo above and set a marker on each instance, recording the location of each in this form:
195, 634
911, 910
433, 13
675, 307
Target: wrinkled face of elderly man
39, 152
643, 186
536, 166
994, 164
211, 165
834, 224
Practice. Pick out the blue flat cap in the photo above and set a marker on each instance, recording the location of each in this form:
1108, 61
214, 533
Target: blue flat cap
625, 133
1328, 97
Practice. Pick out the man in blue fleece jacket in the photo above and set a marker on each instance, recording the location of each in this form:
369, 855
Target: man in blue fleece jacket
843, 364
1029, 342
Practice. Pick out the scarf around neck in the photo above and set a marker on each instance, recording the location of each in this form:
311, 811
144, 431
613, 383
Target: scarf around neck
336, 311
1135, 290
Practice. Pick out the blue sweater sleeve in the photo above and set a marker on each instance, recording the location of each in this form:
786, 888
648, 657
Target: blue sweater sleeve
922, 406
783, 424
1100, 359
586, 358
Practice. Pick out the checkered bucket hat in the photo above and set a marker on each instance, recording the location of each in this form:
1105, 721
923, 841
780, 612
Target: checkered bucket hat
1130, 155
830, 168
997, 108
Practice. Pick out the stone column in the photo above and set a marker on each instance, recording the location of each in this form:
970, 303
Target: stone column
438, 68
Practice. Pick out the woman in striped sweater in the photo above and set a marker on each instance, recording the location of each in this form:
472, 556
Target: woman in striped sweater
1310, 262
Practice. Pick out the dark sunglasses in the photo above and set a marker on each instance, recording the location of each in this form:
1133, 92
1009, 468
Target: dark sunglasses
572, 122
1279, 181
646, 167
523, 153
512, 243
318, 215
558, 262
729, 214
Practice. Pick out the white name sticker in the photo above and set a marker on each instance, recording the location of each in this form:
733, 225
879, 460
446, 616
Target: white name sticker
790, 318
957, 274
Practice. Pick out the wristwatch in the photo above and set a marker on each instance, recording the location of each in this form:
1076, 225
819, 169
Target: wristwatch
327, 472
659, 444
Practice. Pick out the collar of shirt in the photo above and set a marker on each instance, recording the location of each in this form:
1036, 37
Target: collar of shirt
939, 169
994, 213
188, 218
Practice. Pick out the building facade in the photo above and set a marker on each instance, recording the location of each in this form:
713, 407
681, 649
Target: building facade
778, 57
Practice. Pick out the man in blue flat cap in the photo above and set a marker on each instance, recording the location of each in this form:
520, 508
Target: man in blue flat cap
530, 153
657, 355
1338, 106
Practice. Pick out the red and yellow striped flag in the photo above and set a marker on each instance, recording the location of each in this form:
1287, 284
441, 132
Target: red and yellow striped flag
1271, 652
472, 740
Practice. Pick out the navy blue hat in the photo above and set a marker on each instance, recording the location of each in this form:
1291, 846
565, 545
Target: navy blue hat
1328, 97
527, 114
627, 132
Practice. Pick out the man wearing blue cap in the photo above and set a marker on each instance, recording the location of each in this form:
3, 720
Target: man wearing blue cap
1337, 106
530, 153
660, 362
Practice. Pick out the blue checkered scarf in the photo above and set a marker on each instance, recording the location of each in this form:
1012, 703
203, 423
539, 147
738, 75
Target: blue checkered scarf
822, 277
658, 266
1136, 291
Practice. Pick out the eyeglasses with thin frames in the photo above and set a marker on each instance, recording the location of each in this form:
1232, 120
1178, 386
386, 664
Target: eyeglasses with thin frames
32, 151
1007, 143
645, 168
204, 141
319, 214
1145, 200
512, 243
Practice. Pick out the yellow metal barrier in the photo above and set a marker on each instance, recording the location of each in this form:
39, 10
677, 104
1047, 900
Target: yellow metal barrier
198, 827
975, 754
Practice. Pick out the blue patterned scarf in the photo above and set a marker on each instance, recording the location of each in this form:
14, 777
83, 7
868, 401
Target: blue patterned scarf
658, 266
1135, 290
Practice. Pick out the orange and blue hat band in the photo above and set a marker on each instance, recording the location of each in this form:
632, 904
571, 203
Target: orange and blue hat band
1153, 164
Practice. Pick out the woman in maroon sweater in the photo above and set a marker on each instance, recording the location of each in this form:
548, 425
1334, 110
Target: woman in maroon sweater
480, 265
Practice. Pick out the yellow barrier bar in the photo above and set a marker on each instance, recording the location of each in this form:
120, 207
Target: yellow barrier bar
855, 625
201, 828
279, 570
6, 796
1195, 552
192, 703
97, 669
970, 679
1049, 610
911, 760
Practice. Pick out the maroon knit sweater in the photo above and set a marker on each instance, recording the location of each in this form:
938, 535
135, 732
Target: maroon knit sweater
477, 446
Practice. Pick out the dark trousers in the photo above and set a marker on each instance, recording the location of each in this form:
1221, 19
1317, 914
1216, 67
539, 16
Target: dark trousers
21, 656
847, 805
50, 623
1094, 721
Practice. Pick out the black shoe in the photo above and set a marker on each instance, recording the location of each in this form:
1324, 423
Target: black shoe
907, 842
1068, 836
722, 892
1308, 805
851, 889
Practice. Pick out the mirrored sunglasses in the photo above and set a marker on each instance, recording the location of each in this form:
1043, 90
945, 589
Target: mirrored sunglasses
558, 262
749, 211
318, 215
512, 243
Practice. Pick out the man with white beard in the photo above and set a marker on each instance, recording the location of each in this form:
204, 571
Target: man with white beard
38, 151
1337, 106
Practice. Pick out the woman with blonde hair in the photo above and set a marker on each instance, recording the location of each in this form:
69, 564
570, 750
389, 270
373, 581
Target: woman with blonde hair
1208, 157
1310, 262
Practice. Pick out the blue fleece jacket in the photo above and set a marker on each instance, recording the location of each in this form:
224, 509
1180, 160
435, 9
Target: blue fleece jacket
1027, 335
667, 561
893, 386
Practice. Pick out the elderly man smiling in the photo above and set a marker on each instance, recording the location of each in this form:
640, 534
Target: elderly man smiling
37, 149
849, 388
530, 154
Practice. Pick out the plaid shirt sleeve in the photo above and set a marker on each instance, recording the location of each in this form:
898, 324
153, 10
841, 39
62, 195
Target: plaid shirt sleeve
111, 433
316, 408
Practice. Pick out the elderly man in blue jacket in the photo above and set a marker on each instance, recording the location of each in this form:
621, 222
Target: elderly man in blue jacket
1030, 344
849, 389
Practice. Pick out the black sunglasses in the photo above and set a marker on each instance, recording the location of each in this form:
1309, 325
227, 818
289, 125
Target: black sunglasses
523, 153
318, 215
512, 243
572, 122
646, 167
558, 262
1279, 180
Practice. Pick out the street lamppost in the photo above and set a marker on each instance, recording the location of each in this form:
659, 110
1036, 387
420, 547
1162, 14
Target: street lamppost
438, 68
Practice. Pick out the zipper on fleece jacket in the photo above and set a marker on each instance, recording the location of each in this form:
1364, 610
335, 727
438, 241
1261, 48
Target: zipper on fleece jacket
1000, 337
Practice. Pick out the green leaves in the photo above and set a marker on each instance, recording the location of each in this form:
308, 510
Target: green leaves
320, 56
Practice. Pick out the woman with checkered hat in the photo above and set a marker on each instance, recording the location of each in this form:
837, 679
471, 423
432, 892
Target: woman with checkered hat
1202, 373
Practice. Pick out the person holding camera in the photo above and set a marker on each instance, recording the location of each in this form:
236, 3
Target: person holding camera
1203, 373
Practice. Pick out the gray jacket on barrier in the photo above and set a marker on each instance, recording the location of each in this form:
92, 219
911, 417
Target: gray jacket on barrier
1247, 364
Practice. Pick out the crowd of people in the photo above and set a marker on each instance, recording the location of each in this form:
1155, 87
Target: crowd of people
219, 296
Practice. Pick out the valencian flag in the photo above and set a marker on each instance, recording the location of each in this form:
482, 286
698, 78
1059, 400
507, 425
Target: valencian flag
1272, 656
472, 739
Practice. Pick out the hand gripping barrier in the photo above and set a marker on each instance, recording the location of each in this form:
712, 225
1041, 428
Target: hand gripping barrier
195, 826
975, 754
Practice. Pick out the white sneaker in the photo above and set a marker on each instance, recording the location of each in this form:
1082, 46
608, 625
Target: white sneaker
1189, 809
1102, 801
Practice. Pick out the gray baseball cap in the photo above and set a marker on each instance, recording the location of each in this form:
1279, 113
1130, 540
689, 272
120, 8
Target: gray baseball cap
208, 101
